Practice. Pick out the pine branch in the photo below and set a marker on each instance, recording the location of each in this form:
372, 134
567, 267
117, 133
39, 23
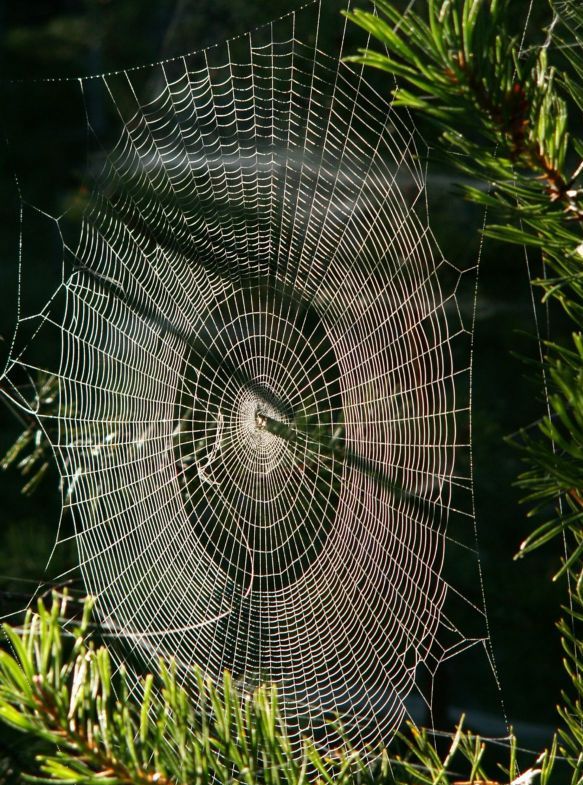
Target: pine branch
503, 113
60, 689
30, 453
101, 733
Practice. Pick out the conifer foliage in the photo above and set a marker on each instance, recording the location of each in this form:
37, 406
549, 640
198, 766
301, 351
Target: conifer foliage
96, 725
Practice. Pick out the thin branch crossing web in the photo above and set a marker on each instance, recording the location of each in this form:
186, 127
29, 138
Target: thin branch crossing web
262, 383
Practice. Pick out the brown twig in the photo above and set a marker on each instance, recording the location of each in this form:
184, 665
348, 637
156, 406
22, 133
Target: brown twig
512, 119
76, 738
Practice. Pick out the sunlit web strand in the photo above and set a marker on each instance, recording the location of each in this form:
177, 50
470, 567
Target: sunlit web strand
261, 383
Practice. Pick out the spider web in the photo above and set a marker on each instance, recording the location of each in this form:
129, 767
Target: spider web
263, 382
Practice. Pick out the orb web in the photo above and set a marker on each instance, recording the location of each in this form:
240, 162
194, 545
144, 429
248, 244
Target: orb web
259, 382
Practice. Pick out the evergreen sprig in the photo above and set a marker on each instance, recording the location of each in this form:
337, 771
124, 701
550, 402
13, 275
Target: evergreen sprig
98, 726
501, 114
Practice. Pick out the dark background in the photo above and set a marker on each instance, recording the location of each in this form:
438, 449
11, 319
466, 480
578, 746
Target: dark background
40, 39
